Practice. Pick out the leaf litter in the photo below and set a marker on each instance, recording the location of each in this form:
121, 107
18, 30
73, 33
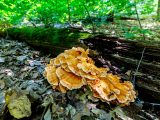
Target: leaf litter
25, 93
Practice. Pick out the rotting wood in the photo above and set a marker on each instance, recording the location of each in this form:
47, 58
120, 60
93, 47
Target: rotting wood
152, 68
123, 53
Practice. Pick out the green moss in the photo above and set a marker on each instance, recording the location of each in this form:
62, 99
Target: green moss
61, 38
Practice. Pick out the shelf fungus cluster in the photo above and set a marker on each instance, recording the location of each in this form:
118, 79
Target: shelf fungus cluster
74, 69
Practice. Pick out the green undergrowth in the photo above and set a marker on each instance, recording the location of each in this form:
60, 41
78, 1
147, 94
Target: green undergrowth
131, 31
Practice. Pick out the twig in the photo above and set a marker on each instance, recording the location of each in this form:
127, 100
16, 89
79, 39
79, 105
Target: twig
143, 48
138, 65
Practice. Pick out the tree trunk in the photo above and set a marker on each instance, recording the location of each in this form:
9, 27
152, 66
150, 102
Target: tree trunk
158, 11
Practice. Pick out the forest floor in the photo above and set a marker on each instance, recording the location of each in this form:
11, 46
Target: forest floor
130, 29
22, 81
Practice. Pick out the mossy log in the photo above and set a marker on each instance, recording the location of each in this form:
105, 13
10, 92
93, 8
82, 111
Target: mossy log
51, 40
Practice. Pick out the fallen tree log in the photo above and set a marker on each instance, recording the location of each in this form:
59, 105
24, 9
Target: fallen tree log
50, 40
131, 49
129, 53
125, 55
145, 66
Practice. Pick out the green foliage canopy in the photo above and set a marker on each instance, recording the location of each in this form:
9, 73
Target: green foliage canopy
53, 11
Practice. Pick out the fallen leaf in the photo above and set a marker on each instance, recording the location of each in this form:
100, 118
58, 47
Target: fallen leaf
35, 75
2, 84
70, 110
77, 116
21, 58
18, 104
33, 63
91, 106
2, 59
2, 103
47, 116
128, 73
101, 114
83, 109
120, 114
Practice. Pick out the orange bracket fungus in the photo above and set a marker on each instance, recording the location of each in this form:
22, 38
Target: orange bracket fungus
74, 69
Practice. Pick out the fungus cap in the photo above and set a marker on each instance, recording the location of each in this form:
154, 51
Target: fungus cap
69, 80
73, 69
51, 75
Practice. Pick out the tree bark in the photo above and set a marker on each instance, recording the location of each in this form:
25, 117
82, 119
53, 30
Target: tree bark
158, 11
